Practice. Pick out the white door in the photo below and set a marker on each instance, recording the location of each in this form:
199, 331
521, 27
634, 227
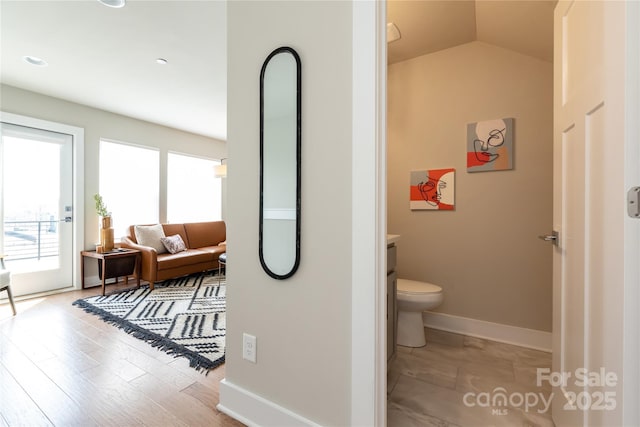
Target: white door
590, 128
36, 207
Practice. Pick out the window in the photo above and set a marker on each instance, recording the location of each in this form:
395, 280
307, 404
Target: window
130, 184
193, 192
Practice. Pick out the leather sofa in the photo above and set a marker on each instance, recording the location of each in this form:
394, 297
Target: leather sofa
204, 242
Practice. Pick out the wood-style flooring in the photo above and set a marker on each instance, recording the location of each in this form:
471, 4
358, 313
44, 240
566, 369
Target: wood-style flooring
458, 381
64, 367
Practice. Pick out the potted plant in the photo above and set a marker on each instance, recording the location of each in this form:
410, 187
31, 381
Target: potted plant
106, 230
101, 208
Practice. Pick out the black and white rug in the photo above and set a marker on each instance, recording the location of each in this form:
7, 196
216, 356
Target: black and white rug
184, 317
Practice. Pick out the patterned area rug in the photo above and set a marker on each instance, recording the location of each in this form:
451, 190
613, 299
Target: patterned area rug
184, 317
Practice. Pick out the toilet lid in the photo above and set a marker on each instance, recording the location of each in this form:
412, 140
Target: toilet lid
415, 287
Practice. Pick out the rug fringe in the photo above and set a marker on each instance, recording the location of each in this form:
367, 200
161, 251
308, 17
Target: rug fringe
196, 361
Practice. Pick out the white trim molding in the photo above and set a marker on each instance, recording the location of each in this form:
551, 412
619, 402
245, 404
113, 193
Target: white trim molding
530, 338
631, 346
369, 206
239, 401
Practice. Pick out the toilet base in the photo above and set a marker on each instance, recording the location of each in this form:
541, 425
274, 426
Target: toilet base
411, 329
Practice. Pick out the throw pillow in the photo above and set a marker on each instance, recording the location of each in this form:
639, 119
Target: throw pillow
174, 244
150, 235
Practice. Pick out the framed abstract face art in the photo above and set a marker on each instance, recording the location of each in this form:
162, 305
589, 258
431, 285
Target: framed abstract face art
432, 189
490, 145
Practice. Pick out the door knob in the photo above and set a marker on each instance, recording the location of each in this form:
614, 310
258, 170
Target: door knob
553, 237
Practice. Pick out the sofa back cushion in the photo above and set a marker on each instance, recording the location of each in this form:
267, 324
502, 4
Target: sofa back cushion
203, 234
173, 229
194, 235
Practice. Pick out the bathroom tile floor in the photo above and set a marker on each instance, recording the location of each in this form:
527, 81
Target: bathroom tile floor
461, 381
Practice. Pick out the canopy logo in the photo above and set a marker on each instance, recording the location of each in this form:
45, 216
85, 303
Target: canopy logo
591, 394
500, 401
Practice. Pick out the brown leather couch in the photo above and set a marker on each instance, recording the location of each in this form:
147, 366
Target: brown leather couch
202, 240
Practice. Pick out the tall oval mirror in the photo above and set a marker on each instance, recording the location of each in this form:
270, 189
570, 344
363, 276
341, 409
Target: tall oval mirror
280, 140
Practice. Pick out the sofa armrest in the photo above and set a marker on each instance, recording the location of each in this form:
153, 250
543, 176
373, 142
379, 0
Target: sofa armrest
149, 259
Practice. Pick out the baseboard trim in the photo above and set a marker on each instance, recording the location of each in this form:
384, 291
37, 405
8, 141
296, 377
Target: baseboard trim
253, 410
530, 338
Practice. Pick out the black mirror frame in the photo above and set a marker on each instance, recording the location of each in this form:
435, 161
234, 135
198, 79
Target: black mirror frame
283, 49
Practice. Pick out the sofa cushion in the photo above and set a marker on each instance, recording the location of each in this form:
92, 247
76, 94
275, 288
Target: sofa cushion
184, 258
215, 250
174, 244
201, 234
150, 235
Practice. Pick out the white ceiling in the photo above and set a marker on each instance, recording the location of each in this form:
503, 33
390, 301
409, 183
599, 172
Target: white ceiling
105, 57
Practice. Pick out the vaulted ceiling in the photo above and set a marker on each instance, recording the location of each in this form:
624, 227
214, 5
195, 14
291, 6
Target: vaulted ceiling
525, 26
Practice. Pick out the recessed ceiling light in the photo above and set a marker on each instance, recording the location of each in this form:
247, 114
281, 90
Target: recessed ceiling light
113, 3
162, 61
34, 60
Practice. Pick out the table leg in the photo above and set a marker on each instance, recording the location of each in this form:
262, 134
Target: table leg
220, 264
138, 266
82, 271
104, 273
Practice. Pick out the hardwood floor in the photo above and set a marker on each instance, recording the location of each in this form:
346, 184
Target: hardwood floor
62, 366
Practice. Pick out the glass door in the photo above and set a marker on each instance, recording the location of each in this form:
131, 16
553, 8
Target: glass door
36, 233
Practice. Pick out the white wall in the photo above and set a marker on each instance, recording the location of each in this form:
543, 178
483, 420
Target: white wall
302, 324
485, 254
102, 124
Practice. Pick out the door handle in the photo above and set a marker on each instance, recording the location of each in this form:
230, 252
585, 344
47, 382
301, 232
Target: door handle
633, 202
67, 219
553, 237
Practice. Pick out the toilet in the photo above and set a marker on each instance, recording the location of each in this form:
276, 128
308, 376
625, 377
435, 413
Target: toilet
413, 298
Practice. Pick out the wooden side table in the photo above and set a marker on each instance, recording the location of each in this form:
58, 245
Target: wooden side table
114, 264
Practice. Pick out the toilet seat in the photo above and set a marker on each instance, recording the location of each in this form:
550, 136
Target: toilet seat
413, 287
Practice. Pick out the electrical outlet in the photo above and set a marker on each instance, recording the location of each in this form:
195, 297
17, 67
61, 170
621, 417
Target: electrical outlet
249, 347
